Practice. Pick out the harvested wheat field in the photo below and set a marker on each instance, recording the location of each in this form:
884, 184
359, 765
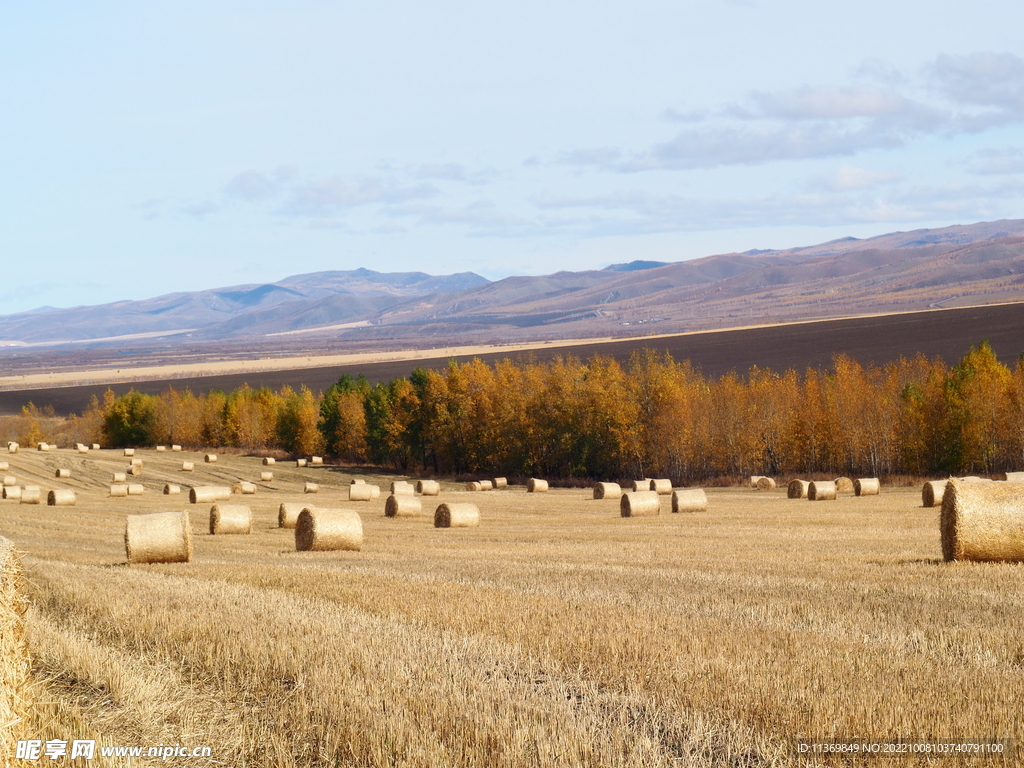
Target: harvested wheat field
557, 633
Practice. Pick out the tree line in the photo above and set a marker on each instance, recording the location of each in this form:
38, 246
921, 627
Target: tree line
569, 418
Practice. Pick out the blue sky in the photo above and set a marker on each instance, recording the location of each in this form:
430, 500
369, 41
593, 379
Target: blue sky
147, 148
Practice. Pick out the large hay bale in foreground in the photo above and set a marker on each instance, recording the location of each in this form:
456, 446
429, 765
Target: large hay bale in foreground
662, 487
244, 488
207, 494
797, 489
266, 477
310, 488
499, 482
210, 458
187, 466
15, 664
866, 486
402, 505
640, 503
360, 492
119, 477
982, 521
402, 488
161, 537
136, 489
607, 491
931, 493
288, 513
821, 490
323, 530
1014, 477
31, 494
171, 489
119, 490
230, 518
464, 515
536, 485
689, 500
765, 484
62, 473
61, 497
428, 487
843, 485
268, 461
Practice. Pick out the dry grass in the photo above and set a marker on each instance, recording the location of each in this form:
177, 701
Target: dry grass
554, 634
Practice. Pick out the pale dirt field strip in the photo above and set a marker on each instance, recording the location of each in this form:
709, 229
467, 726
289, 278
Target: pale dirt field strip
555, 633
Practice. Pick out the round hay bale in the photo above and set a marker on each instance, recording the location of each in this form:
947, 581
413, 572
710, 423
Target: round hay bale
96, 446
428, 487
754, 479
765, 484
360, 492
119, 477
60, 497
300, 462
10, 480
843, 485
323, 530
161, 537
357, 481
210, 458
62, 473
288, 513
119, 490
136, 462
15, 663
170, 489
207, 494
821, 490
499, 482
31, 494
129, 451
134, 470
464, 515
402, 505
316, 461
642, 485
689, 500
136, 489
43, 447
607, 491
11, 492
474, 485
4, 466
81, 448
661, 487
13, 447
161, 448
243, 488
1014, 477
266, 477
536, 485
638, 503
310, 488
486, 485
176, 448
797, 489
374, 492
866, 486
982, 521
402, 487
187, 466
268, 461
230, 518
931, 493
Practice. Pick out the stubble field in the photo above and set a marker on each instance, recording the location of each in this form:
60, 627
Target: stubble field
556, 633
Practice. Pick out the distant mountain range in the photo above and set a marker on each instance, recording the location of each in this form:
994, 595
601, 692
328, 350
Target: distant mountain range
902, 271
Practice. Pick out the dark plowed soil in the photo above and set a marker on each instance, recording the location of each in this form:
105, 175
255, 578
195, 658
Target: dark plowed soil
944, 333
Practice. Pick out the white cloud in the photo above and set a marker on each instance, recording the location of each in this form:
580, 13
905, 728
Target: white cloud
999, 161
252, 186
335, 193
848, 178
